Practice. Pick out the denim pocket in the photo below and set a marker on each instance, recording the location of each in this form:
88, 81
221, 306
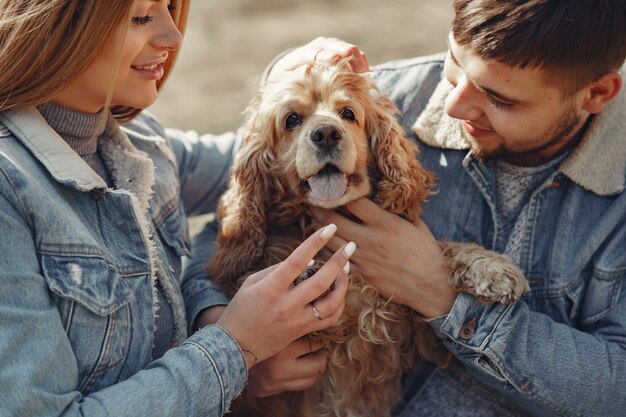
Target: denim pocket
94, 305
85, 278
601, 295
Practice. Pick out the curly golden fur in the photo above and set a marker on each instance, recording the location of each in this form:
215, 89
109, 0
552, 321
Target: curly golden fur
330, 124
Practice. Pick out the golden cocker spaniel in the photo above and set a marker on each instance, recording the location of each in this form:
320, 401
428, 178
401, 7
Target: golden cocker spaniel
324, 137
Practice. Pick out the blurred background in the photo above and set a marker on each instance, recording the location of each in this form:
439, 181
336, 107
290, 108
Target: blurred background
229, 43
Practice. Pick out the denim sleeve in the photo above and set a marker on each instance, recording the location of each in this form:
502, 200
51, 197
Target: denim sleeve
38, 369
204, 163
197, 288
545, 367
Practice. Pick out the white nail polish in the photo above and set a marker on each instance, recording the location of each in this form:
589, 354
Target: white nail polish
311, 262
346, 267
328, 231
349, 249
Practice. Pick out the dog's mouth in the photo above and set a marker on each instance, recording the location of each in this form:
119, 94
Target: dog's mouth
328, 184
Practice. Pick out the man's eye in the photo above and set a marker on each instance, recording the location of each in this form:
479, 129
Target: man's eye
348, 114
499, 104
293, 120
142, 20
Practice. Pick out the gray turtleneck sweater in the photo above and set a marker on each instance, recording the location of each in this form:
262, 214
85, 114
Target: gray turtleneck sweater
82, 132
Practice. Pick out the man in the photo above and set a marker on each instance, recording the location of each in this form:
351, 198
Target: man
523, 124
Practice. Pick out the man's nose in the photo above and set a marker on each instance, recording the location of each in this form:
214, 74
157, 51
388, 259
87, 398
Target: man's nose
464, 101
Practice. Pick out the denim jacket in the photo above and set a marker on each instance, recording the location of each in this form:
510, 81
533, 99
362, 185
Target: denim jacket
78, 268
561, 350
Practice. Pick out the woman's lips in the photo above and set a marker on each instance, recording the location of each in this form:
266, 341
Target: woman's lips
475, 131
153, 72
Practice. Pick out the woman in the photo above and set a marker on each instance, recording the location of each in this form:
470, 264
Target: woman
93, 226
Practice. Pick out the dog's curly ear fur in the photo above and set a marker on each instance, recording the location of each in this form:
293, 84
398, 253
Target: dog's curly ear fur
402, 182
243, 207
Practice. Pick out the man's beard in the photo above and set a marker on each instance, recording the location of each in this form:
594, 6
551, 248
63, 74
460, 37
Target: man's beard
562, 128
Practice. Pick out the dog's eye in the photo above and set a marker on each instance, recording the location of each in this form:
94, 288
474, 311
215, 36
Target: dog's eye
348, 114
293, 120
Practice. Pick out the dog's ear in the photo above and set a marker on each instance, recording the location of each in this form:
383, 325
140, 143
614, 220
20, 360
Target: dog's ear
243, 207
402, 182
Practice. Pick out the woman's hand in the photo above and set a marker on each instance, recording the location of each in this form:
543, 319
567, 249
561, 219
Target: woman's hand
403, 260
294, 368
269, 312
329, 50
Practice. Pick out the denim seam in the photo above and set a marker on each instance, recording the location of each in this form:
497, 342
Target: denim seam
217, 373
166, 209
19, 200
96, 371
489, 336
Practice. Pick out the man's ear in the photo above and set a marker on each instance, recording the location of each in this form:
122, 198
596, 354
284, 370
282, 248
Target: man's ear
602, 91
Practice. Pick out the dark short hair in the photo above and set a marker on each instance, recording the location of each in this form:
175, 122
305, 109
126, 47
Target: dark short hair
574, 41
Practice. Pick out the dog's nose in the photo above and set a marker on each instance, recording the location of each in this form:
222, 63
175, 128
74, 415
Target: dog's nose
326, 136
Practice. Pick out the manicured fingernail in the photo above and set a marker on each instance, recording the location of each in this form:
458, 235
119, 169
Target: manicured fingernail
311, 262
346, 267
349, 249
328, 231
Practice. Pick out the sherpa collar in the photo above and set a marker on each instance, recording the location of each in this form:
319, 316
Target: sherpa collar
597, 164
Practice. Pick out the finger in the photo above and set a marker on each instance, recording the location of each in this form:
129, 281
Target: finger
366, 210
330, 320
303, 346
293, 385
319, 283
321, 215
302, 255
258, 276
334, 300
360, 64
347, 229
336, 243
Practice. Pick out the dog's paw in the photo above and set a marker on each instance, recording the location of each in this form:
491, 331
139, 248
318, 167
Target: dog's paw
489, 276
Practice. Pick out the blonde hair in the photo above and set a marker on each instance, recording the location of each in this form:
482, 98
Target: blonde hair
46, 44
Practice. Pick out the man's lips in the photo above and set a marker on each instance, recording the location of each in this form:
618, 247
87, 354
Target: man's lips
475, 131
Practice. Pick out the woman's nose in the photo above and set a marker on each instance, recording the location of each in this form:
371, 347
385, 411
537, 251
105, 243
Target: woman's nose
464, 101
169, 37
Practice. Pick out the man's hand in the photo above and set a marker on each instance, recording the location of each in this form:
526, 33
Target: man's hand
295, 368
329, 50
402, 260
209, 316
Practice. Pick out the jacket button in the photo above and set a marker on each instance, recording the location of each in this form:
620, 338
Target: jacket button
468, 329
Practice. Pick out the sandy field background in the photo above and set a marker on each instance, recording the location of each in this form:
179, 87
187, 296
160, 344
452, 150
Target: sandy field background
229, 42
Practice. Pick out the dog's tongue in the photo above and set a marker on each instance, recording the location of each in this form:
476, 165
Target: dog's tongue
328, 185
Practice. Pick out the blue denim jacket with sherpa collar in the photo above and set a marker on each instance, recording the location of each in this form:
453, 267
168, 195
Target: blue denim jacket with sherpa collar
561, 350
78, 267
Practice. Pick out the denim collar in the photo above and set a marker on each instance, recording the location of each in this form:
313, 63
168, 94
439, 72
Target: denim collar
597, 164
65, 165
130, 168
